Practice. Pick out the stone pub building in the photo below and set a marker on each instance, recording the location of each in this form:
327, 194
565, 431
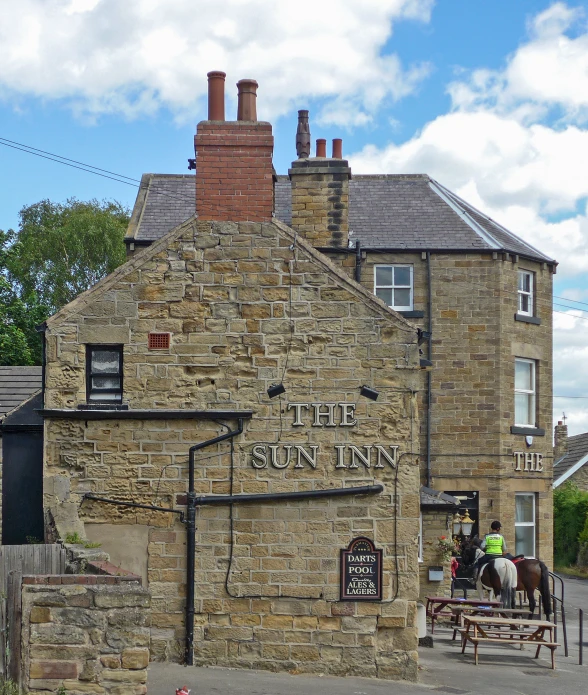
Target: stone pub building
274, 394
255, 410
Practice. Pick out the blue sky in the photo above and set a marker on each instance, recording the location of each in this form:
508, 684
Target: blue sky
489, 98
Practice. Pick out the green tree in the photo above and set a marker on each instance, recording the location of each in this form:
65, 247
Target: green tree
570, 512
59, 251
62, 249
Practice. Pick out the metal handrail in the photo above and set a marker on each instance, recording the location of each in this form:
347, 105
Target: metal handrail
556, 599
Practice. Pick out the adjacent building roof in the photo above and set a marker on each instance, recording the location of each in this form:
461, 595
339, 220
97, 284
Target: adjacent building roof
396, 212
575, 457
16, 385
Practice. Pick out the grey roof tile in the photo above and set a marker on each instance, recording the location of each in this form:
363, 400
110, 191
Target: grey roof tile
577, 448
393, 212
16, 385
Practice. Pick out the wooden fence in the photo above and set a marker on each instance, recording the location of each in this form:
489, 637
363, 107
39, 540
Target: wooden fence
16, 560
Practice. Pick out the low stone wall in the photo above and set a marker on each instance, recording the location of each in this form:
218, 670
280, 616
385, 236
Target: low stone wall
87, 633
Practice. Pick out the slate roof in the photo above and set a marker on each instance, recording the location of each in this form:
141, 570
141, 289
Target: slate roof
577, 448
391, 211
16, 385
435, 499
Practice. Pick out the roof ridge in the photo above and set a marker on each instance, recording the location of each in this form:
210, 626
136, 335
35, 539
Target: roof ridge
452, 200
104, 284
493, 221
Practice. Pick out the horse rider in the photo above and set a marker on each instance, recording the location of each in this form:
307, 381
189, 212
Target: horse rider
493, 544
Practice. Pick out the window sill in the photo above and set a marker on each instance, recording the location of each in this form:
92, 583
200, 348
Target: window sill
532, 431
103, 406
411, 314
528, 319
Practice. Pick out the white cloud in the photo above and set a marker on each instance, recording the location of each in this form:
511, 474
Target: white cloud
549, 72
515, 144
570, 352
107, 56
499, 148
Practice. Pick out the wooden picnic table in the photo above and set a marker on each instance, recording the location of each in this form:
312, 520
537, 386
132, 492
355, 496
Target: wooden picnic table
512, 630
458, 613
437, 606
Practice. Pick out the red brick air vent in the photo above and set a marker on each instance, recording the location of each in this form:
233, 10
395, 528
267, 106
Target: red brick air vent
158, 341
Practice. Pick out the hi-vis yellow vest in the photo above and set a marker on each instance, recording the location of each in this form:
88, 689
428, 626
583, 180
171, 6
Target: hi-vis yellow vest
493, 544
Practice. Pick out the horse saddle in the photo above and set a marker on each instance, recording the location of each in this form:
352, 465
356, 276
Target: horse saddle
514, 558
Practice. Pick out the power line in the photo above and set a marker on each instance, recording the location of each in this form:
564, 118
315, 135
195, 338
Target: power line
136, 183
88, 168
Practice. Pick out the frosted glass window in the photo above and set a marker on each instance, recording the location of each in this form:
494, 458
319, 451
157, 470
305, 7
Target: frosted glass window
104, 374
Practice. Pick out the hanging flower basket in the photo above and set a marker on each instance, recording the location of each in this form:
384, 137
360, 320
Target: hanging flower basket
446, 547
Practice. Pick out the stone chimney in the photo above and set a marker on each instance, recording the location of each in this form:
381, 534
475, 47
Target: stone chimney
320, 191
560, 441
234, 171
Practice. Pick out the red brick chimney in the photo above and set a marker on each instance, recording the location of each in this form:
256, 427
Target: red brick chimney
234, 171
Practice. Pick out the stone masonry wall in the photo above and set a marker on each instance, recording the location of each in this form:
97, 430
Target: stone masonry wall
434, 526
475, 342
87, 634
249, 305
320, 200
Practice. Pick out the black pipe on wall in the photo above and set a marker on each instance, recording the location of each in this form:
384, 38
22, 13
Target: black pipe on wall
430, 358
191, 538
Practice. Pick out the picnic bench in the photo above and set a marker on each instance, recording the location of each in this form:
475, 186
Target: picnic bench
458, 612
512, 630
437, 606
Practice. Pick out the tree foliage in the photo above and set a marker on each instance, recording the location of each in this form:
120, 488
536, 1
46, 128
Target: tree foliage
62, 249
570, 514
59, 251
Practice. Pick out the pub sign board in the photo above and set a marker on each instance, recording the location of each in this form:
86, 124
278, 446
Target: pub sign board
361, 571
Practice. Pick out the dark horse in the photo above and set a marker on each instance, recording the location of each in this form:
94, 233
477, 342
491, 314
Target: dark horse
532, 574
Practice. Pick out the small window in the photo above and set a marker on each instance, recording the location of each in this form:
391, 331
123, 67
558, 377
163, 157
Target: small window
525, 393
525, 524
525, 293
104, 373
393, 284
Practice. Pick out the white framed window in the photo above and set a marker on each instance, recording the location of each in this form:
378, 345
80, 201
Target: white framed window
393, 284
525, 524
525, 293
525, 392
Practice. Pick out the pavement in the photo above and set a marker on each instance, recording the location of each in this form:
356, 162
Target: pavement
503, 669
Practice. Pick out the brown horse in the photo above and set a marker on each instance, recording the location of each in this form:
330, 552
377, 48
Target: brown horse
533, 574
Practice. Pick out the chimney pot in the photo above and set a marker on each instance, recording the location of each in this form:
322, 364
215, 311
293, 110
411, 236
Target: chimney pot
559, 422
247, 100
216, 95
337, 148
321, 147
303, 135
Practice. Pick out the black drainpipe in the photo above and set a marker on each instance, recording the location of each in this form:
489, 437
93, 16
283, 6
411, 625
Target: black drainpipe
194, 502
358, 261
430, 357
191, 539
